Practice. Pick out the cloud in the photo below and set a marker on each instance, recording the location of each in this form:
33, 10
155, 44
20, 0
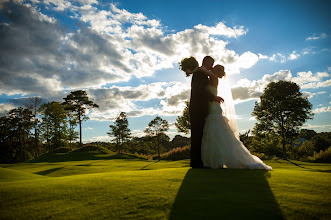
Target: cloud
39, 56
222, 30
326, 83
245, 89
322, 110
5, 108
278, 58
104, 138
168, 99
294, 55
316, 36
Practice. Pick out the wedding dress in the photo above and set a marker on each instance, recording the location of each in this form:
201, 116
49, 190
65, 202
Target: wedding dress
221, 147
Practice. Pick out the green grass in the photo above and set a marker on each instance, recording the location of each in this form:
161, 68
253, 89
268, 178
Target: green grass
104, 185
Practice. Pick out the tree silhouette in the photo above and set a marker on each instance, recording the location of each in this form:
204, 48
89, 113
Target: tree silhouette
78, 102
183, 123
33, 103
120, 130
15, 129
282, 110
156, 129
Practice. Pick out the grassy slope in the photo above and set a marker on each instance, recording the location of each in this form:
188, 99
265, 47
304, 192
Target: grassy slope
130, 188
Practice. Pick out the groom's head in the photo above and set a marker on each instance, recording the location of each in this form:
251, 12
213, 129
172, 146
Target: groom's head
208, 62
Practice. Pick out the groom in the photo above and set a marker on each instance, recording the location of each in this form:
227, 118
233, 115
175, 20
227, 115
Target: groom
200, 97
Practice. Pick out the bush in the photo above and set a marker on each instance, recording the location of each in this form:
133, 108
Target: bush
89, 147
305, 150
263, 156
322, 156
178, 153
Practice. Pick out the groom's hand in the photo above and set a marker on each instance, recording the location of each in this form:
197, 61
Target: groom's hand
219, 99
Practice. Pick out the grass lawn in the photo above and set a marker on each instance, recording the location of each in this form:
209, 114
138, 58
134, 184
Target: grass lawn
95, 185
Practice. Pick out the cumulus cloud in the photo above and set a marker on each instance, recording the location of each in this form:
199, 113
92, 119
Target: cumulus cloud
322, 110
38, 56
168, 98
222, 30
251, 89
294, 55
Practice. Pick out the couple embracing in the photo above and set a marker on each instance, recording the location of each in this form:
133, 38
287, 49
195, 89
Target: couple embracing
214, 139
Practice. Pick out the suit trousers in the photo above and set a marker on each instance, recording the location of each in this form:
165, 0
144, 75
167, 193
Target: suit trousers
197, 124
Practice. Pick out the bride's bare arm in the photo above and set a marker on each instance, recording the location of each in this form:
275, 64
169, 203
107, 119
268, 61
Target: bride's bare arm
205, 71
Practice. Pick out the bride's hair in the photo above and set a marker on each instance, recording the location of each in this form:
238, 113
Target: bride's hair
221, 70
188, 65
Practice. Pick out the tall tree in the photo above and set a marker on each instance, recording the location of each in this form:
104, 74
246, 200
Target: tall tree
156, 128
78, 102
183, 123
282, 110
33, 103
73, 121
54, 124
120, 130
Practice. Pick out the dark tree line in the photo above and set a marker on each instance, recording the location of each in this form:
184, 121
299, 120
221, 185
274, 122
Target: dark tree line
40, 127
154, 142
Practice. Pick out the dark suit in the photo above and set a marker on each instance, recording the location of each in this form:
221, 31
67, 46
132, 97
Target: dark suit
199, 100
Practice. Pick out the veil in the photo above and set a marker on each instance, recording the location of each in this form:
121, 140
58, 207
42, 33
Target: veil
228, 104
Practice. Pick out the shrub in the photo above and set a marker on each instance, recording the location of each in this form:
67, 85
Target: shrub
322, 156
178, 153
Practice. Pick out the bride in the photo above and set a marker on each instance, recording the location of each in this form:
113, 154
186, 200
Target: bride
221, 146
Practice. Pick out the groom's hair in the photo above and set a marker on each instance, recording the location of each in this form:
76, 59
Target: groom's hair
208, 62
208, 59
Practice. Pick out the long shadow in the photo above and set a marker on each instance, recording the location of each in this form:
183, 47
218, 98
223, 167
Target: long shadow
81, 156
145, 167
308, 168
298, 165
225, 194
46, 172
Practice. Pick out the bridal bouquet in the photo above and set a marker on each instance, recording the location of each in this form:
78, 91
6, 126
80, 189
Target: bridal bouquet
188, 65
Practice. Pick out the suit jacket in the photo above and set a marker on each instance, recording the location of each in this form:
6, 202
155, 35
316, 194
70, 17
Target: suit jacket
200, 95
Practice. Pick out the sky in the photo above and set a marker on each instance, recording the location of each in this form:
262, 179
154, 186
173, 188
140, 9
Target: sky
125, 55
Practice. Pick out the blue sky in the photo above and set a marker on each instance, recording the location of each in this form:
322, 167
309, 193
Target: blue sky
125, 54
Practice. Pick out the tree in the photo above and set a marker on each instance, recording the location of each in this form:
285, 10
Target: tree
156, 129
33, 103
15, 130
321, 141
54, 124
180, 141
120, 130
73, 121
246, 138
282, 110
183, 123
307, 134
78, 102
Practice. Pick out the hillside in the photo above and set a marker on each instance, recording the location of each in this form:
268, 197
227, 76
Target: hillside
104, 186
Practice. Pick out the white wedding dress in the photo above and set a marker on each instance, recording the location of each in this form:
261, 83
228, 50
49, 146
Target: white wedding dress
221, 147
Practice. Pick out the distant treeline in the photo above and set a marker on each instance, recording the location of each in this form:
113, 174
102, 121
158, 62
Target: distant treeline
39, 127
308, 146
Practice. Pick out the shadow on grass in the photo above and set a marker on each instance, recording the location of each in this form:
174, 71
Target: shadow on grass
46, 172
81, 156
308, 168
298, 165
145, 167
225, 194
